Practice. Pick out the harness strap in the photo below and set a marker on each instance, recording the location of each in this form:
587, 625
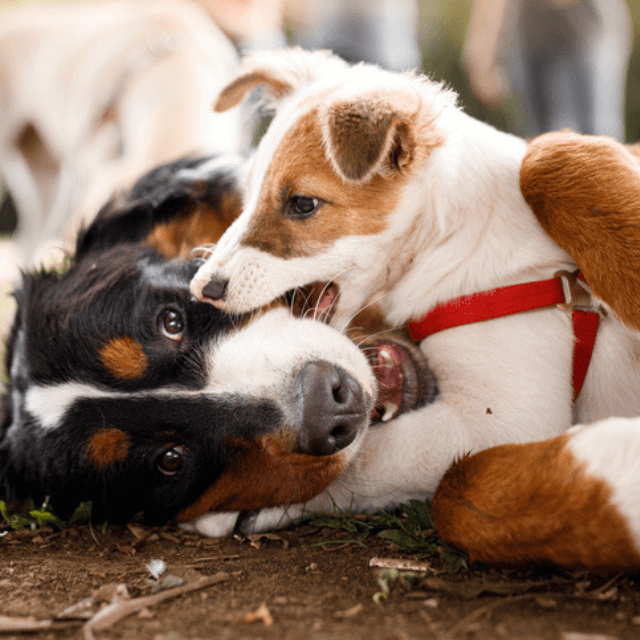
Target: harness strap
585, 329
518, 298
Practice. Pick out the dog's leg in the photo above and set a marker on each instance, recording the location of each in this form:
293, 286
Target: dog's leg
585, 192
153, 124
570, 501
24, 189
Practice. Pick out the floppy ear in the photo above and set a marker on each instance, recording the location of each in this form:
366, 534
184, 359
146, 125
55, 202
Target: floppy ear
369, 135
173, 208
279, 72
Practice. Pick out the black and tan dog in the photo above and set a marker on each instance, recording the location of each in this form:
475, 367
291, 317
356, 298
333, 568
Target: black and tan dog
127, 391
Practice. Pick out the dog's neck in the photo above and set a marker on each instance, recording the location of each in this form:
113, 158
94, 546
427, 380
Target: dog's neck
471, 231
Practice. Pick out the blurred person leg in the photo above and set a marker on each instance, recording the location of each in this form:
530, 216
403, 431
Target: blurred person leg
383, 32
562, 62
549, 74
575, 54
607, 51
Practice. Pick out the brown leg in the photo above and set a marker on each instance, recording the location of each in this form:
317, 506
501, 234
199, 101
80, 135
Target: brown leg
585, 191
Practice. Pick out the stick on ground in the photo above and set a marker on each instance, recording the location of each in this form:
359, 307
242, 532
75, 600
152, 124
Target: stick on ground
108, 616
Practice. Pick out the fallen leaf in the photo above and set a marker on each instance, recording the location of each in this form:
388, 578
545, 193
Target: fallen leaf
256, 540
112, 592
547, 603
139, 533
261, 614
122, 548
349, 613
170, 537
186, 573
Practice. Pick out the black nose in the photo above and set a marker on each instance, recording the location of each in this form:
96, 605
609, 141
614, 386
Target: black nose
333, 408
215, 289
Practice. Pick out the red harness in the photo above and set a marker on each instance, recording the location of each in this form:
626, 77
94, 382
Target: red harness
567, 290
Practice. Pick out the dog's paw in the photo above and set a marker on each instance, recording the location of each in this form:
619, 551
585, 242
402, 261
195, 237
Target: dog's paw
214, 525
269, 519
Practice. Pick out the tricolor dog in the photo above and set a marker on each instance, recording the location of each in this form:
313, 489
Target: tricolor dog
126, 391
381, 187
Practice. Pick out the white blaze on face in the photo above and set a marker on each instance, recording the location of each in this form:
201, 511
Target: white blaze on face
260, 360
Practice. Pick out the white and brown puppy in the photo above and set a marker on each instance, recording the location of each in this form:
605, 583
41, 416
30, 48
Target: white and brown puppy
380, 184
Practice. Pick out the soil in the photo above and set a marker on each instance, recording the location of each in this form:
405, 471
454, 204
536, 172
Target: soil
303, 582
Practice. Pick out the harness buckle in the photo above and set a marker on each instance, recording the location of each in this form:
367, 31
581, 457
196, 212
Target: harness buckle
577, 294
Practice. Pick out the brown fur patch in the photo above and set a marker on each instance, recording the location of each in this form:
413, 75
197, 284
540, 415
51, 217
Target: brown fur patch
107, 446
585, 191
532, 503
358, 138
179, 237
265, 473
236, 90
123, 358
300, 167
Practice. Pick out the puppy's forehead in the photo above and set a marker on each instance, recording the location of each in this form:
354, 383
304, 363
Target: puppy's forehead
298, 165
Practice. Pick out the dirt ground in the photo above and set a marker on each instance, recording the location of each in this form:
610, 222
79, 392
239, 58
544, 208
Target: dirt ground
300, 583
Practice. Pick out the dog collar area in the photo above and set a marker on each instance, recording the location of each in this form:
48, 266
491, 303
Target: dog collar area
567, 290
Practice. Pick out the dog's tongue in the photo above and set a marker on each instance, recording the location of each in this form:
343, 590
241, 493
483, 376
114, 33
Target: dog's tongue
387, 363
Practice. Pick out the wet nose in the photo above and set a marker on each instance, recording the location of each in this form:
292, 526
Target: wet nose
333, 409
215, 289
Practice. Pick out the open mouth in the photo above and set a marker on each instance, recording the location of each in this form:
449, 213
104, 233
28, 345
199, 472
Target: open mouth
405, 381
317, 301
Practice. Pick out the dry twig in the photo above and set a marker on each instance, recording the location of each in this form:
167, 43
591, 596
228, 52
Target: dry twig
115, 612
400, 564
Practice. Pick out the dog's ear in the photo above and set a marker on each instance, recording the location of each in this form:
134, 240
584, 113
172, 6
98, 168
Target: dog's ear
177, 205
279, 72
370, 135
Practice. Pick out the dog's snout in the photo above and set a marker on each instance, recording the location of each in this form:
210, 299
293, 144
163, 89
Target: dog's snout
333, 409
215, 289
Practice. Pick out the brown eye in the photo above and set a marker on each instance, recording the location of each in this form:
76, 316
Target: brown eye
302, 206
171, 461
173, 324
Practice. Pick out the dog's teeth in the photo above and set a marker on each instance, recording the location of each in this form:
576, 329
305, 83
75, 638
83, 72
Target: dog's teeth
387, 359
390, 410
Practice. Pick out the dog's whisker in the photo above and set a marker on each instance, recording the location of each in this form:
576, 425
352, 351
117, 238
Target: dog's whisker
372, 302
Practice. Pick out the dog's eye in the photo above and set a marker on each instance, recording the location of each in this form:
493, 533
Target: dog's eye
172, 323
171, 460
302, 206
